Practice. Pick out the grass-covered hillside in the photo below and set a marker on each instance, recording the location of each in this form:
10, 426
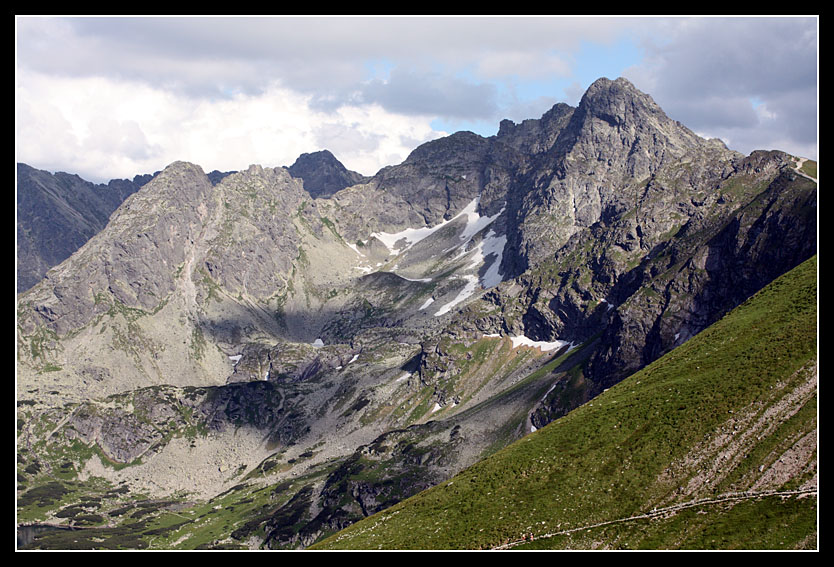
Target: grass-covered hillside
713, 446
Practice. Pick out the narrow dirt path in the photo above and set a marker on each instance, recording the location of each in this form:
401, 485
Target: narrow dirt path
729, 497
798, 169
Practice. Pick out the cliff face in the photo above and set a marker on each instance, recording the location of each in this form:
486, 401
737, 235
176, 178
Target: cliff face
384, 322
57, 213
684, 293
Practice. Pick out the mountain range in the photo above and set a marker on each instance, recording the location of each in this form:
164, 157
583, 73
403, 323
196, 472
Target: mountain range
262, 358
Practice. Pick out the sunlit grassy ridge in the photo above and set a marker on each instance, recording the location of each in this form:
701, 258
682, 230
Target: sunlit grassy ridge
680, 455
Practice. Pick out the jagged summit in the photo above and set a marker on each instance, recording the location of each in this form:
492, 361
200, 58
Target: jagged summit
323, 174
625, 107
618, 101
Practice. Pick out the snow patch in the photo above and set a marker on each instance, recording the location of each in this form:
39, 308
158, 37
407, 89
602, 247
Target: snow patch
428, 302
413, 279
474, 224
355, 356
463, 295
492, 244
318, 343
411, 236
236, 358
355, 249
542, 345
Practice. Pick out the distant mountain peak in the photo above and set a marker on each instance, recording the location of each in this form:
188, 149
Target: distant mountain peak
323, 174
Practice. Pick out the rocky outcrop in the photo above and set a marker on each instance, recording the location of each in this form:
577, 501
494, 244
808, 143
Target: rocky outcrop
133, 261
57, 213
602, 156
760, 241
323, 174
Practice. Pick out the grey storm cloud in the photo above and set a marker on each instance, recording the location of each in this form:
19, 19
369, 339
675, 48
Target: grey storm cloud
324, 57
426, 93
751, 80
740, 55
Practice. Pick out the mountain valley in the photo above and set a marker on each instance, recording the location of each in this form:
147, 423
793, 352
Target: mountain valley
262, 358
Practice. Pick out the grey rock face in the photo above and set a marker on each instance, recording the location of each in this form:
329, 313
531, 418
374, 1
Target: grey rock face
58, 213
134, 260
614, 141
251, 249
758, 242
323, 174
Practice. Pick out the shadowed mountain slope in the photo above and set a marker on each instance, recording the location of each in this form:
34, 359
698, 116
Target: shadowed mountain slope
712, 446
282, 366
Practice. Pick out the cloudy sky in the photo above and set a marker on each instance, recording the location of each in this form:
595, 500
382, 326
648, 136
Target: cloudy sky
114, 97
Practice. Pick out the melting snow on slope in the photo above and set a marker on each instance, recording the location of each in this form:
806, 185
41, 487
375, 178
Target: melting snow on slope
490, 245
411, 235
474, 224
318, 343
428, 302
468, 290
236, 358
355, 249
543, 345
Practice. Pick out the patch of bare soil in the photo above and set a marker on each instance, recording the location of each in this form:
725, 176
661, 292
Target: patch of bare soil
715, 458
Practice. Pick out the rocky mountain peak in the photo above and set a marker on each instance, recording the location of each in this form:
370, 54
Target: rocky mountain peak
618, 102
181, 181
623, 129
448, 148
57, 213
535, 136
323, 174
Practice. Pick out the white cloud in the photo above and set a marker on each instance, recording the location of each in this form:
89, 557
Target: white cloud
104, 128
120, 96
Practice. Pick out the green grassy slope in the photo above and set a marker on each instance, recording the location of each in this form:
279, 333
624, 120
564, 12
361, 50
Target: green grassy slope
712, 446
